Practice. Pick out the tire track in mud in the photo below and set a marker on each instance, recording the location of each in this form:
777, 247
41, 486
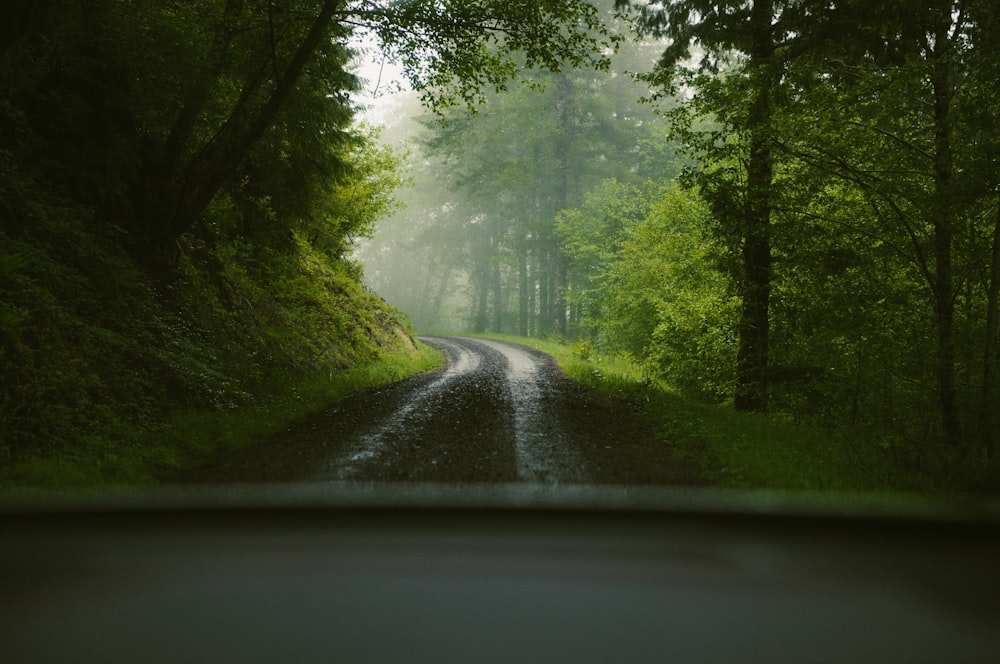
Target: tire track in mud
544, 454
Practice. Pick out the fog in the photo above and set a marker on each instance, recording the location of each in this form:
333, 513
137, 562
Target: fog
474, 245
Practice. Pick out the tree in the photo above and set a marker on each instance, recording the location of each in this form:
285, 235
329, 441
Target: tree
755, 31
736, 56
983, 72
899, 115
203, 83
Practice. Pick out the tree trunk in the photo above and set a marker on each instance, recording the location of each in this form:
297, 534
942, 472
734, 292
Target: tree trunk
944, 297
497, 282
562, 145
533, 294
441, 292
198, 94
544, 296
482, 313
559, 292
522, 288
191, 188
989, 414
754, 326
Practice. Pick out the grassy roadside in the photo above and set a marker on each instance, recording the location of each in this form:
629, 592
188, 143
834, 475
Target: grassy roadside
733, 450
188, 438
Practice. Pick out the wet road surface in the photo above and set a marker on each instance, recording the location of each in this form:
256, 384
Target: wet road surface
488, 415
497, 413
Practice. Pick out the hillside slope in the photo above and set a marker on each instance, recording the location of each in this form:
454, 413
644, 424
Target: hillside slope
109, 372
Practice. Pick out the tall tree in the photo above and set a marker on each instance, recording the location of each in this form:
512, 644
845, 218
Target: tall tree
736, 55
746, 35
983, 71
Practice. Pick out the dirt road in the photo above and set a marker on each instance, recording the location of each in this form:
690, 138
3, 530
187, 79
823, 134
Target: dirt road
498, 412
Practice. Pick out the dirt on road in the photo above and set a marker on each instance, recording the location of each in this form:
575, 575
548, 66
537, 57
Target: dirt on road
497, 413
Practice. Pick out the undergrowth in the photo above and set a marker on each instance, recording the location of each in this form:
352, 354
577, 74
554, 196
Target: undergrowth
189, 438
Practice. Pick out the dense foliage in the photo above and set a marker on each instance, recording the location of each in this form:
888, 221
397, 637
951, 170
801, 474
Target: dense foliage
818, 236
863, 255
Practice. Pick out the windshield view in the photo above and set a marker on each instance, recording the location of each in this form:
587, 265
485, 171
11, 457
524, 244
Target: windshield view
499, 331
762, 255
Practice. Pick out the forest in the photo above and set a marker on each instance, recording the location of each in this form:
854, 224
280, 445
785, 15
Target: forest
800, 218
787, 207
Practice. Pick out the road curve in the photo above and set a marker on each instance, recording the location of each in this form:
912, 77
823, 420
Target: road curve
484, 417
497, 413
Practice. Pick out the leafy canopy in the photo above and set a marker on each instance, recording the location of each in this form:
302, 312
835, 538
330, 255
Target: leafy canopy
455, 51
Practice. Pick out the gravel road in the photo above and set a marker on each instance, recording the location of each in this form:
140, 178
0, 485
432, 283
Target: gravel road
497, 413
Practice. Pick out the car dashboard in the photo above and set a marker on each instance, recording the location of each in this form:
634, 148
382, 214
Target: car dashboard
493, 575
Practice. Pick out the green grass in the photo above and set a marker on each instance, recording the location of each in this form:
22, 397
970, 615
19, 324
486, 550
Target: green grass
189, 438
733, 450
